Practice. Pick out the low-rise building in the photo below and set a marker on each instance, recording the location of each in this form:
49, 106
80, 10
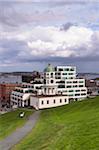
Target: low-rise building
48, 101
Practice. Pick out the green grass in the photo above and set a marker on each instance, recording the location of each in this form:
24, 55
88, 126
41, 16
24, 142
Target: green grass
71, 127
11, 121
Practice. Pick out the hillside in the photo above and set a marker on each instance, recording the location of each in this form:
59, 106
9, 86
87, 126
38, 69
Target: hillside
10, 121
71, 127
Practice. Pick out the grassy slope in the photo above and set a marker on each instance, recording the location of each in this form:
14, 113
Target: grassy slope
70, 127
10, 121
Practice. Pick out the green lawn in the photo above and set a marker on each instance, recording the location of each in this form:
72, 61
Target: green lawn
10, 121
71, 127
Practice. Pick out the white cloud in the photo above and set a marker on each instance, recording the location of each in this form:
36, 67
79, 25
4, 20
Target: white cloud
51, 41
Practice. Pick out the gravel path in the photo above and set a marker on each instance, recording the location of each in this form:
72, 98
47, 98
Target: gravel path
16, 136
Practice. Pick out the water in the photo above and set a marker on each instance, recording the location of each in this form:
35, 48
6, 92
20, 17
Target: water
10, 79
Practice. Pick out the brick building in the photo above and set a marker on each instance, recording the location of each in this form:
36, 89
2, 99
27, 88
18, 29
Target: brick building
5, 91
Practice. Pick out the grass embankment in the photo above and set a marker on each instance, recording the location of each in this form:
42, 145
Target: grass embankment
71, 127
11, 121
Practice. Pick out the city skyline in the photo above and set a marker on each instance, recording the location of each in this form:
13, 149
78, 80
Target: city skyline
34, 34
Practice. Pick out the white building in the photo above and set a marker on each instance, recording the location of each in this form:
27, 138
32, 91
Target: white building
58, 87
21, 95
48, 101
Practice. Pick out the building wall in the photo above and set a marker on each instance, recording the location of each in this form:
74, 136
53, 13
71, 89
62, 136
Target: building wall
5, 92
23, 93
16, 98
48, 102
34, 101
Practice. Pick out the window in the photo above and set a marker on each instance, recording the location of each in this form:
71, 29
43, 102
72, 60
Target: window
26, 92
60, 69
55, 68
60, 100
54, 101
42, 102
70, 73
83, 93
74, 81
47, 81
51, 81
80, 81
57, 73
74, 85
69, 82
60, 81
83, 90
68, 86
47, 101
70, 95
65, 100
80, 85
71, 78
72, 69
44, 81
47, 74
66, 69
51, 75
64, 91
64, 77
77, 90
57, 78
64, 73
71, 91
61, 86
77, 94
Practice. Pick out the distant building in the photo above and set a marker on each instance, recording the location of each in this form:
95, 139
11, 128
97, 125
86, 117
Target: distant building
5, 92
30, 77
97, 82
92, 87
88, 76
58, 87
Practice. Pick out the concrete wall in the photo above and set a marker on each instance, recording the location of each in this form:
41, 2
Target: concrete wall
34, 102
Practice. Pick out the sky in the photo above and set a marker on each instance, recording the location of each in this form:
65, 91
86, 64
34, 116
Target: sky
35, 33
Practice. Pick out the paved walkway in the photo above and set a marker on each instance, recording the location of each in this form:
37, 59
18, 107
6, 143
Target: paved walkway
16, 136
